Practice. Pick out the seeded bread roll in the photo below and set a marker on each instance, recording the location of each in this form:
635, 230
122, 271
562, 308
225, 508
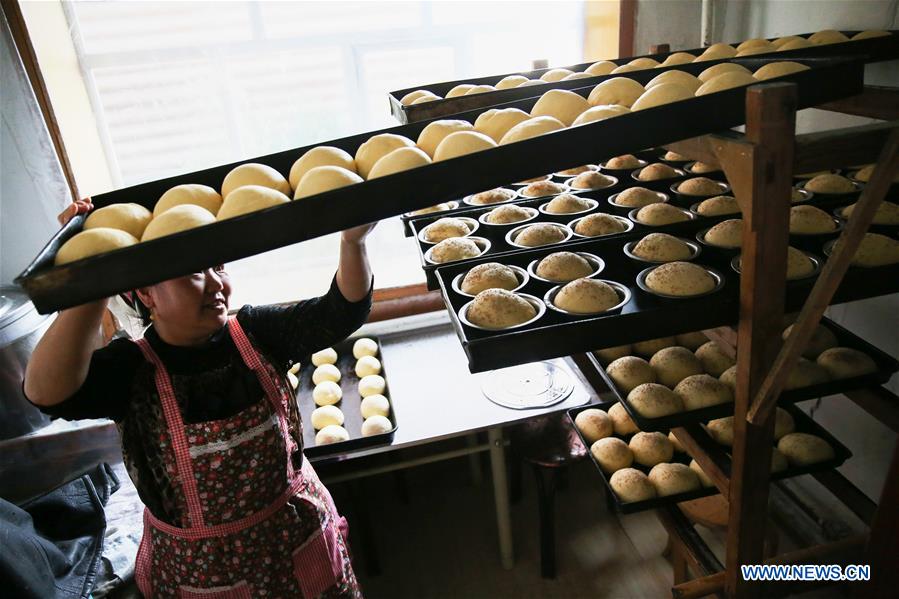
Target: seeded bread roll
630, 372
699, 186
887, 213
875, 250
808, 220
638, 197
674, 364
567, 203
592, 180
621, 420
681, 279
692, 341
490, 275
822, 339
650, 449
594, 424
597, 225
610, 354
722, 430
649, 347
657, 171
492, 196
499, 309
586, 296
561, 267
726, 234
455, 248
845, 362
446, 228
540, 234
538, 189
652, 400
612, 454
626, 161
714, 360
830, 183
671, 479
701, 391
704, 479
659, 215
509, 214
803, 449
631, 485
661, 247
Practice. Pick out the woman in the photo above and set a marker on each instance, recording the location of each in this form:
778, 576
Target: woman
210, 430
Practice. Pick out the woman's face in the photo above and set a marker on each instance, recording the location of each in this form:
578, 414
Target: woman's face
190, 307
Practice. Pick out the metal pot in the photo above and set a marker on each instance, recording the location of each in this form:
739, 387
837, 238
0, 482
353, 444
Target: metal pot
21, 327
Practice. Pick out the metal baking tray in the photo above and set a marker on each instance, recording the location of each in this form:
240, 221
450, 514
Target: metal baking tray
52, 288
873, 50
349, 405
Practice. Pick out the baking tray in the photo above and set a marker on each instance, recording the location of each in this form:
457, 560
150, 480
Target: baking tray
349, 405
51, 288
873, 50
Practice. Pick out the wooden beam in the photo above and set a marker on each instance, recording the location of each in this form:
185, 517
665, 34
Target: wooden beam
874, 102
848, 494
687, 542
879, 402
839, 147
707, 454
883, 543
627, 27
726, 338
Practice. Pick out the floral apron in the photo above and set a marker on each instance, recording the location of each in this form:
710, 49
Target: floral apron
250, 531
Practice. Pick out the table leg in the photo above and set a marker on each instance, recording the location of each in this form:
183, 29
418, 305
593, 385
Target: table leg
474, 461
501, 496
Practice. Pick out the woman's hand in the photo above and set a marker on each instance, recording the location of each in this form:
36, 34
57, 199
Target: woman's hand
354, 271
357, 234
75, 208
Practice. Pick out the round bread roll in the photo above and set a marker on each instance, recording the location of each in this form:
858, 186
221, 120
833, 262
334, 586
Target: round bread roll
376, 425
887, 213
189, 193
845, 362
799, 265
367, 365
753, 43
561, 267
682, 78
699, 186
373, 384
597, 225
567, 203
441, 207
243, 200
188, 216
594, 425
630, 372
365, 346
654, 401
650, 449
603, 67
803, 449
446, 228
657, 171
511, 81
663, 93
722, 430
507, 215
675, 443
674, 157
659, 215
691, 341
638, 197
599, 113
649, 347
681, 279
461, 143
541, 188
375, 148
326, 416
331, 434
644, 63
321, 179
539, 125
778, 69
610, 354
325, 372
325, 356
756, 50
319, 156
612, 454
631, 485
704, 479
577, 76
500, 123
830, 183
130, 218
621, 420
674, 364
93, 242
397, 161
875, 250
480, 89
455, 248
778, 460
627, 161
462, 89
677, 58
490, 275
618, 90
540, 234
374, 405
713, 358
726, 234
671, 479
586, 296
411, 97
827, 36
625, 68
718, 206
427, 98
661, 247
717, 52
577, 170
561, 104
729, 378
701, 391
805, 374
701, 167
781, 41
499, 309
796, 44
326, 393
492, 196
254, 173
484, 118
807, 220
864, 174
531, 82
553, 75
725, 81
720, 69
783, 423
592, 180
869, 33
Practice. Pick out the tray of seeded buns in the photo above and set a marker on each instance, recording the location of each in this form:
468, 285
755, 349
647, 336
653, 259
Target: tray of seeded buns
439, 99
344, 399
394, 176
647, 470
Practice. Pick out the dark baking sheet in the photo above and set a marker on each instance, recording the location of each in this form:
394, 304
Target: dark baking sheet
873, 50
349, 405
52, 288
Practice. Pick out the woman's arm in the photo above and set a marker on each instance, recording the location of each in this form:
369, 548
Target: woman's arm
353, 270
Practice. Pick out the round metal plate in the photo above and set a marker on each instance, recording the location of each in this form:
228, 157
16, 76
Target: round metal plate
535, 385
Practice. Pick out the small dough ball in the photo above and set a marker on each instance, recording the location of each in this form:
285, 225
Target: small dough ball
678, 58
325, 356
659, 215
455, 248
875, 250
538, 189
603, 67
729, 378
511, 214
610, 354
649, 347
808, 220
680, 279
586, 296
484, 117
822, 339
446, 228
682, 78
376, 425
830, 183
181, 218
663, 93
373, 384
638, 197
130, 218
630, 372
426, 98
553, 75
397, 161
631, 485
567, 203
699, 186
441, 207
327, 393
325, 372
783, 423
726, 234
869, 33
612, 454
480, 89
652, 400
621, 421
540, 234
625, 161
717, 52
657, 171
671, 479
574, 76
713, 358
499, 309
320, 156
364, 347
618, 90
661, 247
725, 81
674, 364
778, 69
720, 69
644, 63
845, 362
675, 443
592, 180
376, 147
704, 479
827, 36
594, 425
460, 90
92, 242
510, 81
650, 449
781, 41
461, 143
887, 213
321, 179
490, 275
331, 434
803, 449
326, 416
778, 461
189, 193
754, 43
411, 97
375, 405
538, 125
367, 365
500, 123
492, 196
805, 374
722, 430
431, 136
701, 167
531, 82
562, 104
599, 113
718, 206
795, 44
625, 68
701, 391
244, 200
692, 341
255, 174
599, 224
864, 174
561, 267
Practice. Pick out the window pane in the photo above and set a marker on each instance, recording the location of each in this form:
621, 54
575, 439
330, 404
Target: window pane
297, 19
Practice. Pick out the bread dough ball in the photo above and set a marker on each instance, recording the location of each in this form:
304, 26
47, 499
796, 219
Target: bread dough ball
376, 425
567, 203
631, 485
540, 234
490, 275
783, 423
675, 443
720, 69
803, 449
704, 479
671, 479
621, 420
367, 365
652, 400
603, 67
612, 454
187, 216
244, 200
511, 81
778, 460
326, 416
574, 76
592, 180
729, 378
411, 97
561, 104
625, 68
397, 161
718, 206
553, 75
531, 82
810, 220
630, 372
805, 374
364, 346
327, 393
331, 434
480, 89
681, 279
508, 215
492, 196
650, 449
441, 207
93, 242
725, 81
373, 384
644, 62
599, 113
618, 90
887, 213
461, 90
461, 143
701, 391
254, 173
325, 372
864, 174
874, 250
661, 247
130, 218
539, 125
754, 43
541, 188
796, 44
455, 248
561, 267
781, 41
830, 183
701, 168
501, 121
663, 93
375, 148
374, 405
827, 36
822, 339
717, 52
726, 234
682, 78
870, 33
189, 193
778, 69
446, 228
799, 265
610, 354
756, 50
594, 425
320, 156
428, 98
649, 347
659, 215
699, 186
626, 161
674, 364
691, 341
325, 356
713, 358
638, 197
657, 171
499, 309
597, 225
845, 362
321, 179
484, 117
722, 430
586, 296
